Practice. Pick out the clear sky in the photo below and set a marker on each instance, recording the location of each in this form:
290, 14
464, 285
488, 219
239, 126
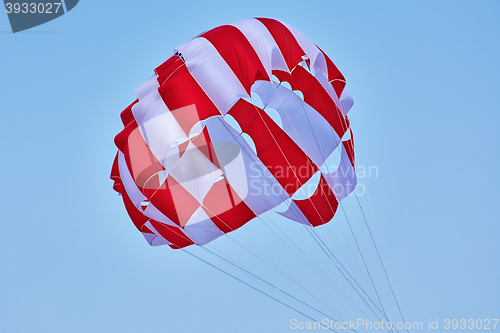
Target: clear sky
425, 79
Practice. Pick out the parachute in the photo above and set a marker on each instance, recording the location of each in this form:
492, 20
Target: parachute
245, 119
238, 121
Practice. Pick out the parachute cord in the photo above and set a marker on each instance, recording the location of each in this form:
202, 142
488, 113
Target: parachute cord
381, 262
300, 143
316, 240
280, 271
374, 244
347, 272
255, 288
223, 123
286, 275
383, 255
361, 254
342, 253
350, 227
270, 284
364, 263
318, 214
348, 299
323, 246
323, 157
383, 311
362, 257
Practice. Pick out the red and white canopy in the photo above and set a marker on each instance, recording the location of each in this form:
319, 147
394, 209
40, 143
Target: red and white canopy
240, 120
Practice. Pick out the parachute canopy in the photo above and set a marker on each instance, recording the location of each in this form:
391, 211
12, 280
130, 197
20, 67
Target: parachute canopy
241, 120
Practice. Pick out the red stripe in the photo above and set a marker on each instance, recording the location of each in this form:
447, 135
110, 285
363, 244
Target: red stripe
321, 206
280, 154
204, 144
172, 234
349, 148
146, 230
188, 116
317, 97
115, 176
173, 201
127, 116
164, 70
141, 162
334, 76
283, 76
225, 208
137, 217
187, 101
238, 53
290, 49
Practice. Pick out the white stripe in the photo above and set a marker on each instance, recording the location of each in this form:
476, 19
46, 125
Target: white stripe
318, 61
156, 239
343, 180
251, 180
346, 102
294, 213
302, 123
158, 126
323, 80
136, 195
263, 43
147, 98
128, 182
195, 172
212, 73
312, 51
153, 213
148, 87
201, 229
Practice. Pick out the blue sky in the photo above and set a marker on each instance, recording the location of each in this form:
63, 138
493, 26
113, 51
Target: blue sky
424, 77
